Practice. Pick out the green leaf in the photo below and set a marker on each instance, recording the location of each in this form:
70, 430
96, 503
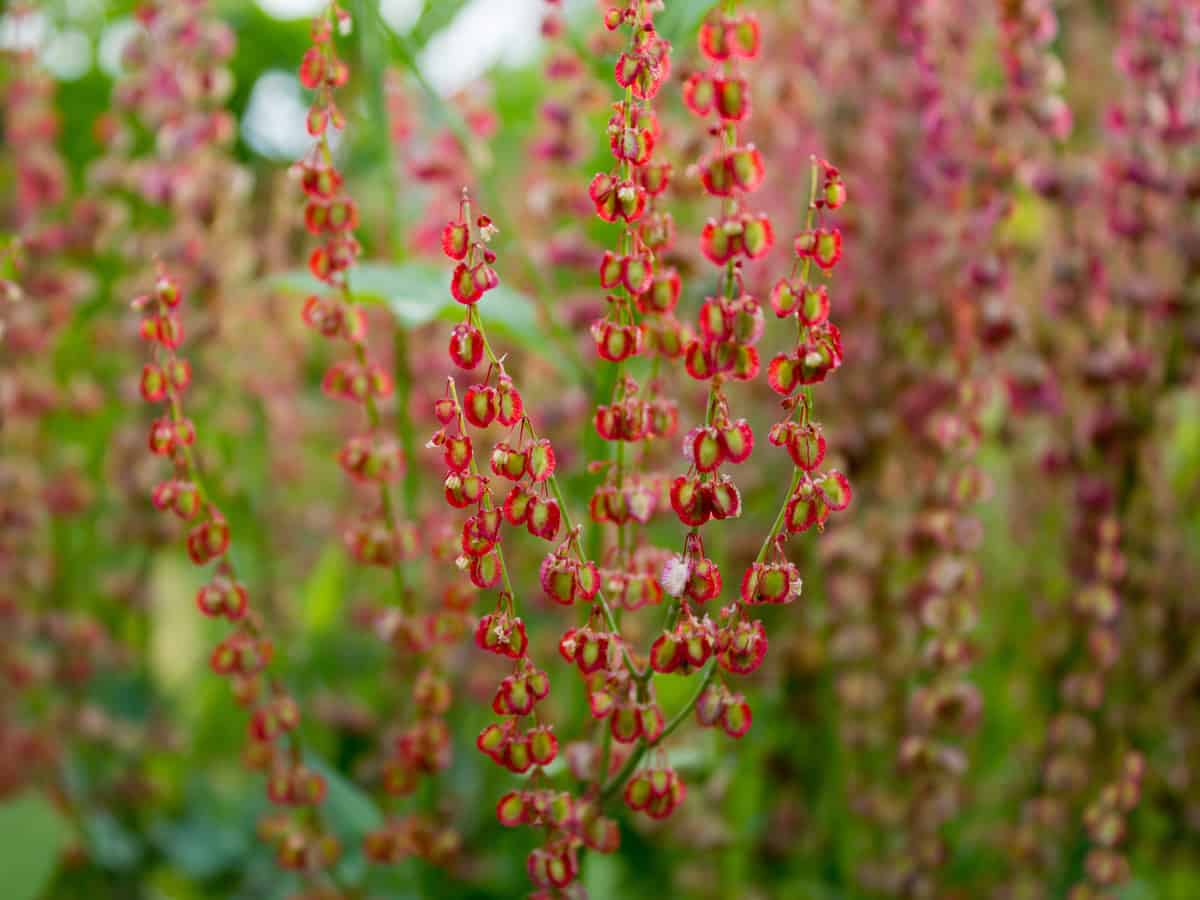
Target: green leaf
419, 293
349, 810
32, 836
324, 591
112, 845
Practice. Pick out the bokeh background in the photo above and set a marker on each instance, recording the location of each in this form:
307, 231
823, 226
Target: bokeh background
1089, 440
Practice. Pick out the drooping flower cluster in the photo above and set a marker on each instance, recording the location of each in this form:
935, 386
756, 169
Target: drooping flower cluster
418, 747
521, 740
244, 654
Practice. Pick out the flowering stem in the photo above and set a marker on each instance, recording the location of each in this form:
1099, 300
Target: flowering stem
709, 670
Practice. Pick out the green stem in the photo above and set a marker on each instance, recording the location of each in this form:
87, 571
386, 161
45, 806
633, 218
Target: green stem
709, 670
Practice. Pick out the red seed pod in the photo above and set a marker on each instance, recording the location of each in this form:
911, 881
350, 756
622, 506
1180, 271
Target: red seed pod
742, 36
545, 516
827, 247
541, 460
615, 342
557, 577
478, 534
804, 510
485, 571
320, 182
513, 697
637, 273
509, 463
699, 360
770, 583
208, 540
480, 405
166, 292
744, 646
464, 286
835, 490
666, 653
510, 408
786, 297
737, 441
617, 199
456, 240
463, 490
662, 295
492, 741
716, 320
654, 177
511, 809
714, 40
625, 724
517, 505
710, 705
633, 145
724, 499
163, 496
699, 93
592, 650
806, 446
466, 346
731, 98
639, 591
721, 241
543, 745
153, 384
736, 169
518, 756
637, 792
222, 597
758, 236
503, 634
610, 270
703, 446
736, 717
652, 721
690, 500
705, 581
784, 374
457, 452
814, 305
444, 410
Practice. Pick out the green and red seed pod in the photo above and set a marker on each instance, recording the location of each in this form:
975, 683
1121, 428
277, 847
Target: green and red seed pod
481, 405
662, 295
240, 654
770, 583
508, 462
511, 809
208, 540
545, 518
617, 199
666, 653
517, 505
466, 346
638, 591
736, 716
723, 37
456, 240
704, 582
541, 460
543, 745
744, 646
703, 446
457, 452
223, 596
485, 571
510, 409
625, 724
503, 634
